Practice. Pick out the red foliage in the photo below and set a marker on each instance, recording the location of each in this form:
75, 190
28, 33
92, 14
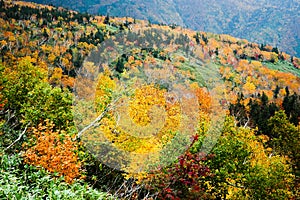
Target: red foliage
184, 179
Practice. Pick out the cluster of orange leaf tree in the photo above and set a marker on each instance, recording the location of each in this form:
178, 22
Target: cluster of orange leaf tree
257, 152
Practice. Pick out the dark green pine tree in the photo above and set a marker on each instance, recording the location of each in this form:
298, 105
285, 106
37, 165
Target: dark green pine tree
261, 111
275, 49
197, 37
276, 92
120, 66
2, 5
106, 20
291, 106
45, 34
286, 104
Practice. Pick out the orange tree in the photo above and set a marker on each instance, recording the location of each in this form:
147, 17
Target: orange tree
55, 151
28, 100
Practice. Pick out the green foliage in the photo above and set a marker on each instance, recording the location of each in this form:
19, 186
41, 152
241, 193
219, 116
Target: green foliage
228, 163
29, 100
17, 82
8, 136
244, 165
27, 182
44, 102
286, 138
244, 170
291, 105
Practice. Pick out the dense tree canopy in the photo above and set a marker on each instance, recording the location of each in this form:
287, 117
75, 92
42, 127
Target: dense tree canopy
204, 116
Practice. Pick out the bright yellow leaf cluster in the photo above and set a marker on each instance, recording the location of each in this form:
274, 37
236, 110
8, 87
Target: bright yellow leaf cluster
104, 90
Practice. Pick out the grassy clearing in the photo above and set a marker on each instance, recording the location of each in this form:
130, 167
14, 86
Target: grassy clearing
283, 66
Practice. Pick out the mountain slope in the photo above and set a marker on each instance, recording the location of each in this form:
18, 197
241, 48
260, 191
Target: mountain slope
272, 22
99, 98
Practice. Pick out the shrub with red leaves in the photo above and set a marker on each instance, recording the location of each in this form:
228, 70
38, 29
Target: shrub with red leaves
185, 179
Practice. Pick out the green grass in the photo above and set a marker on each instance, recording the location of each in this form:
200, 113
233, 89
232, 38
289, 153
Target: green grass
206, 74
283, 66
19, 181
111, 28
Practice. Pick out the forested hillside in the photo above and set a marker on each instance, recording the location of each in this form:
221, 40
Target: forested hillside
100, 107
274, 22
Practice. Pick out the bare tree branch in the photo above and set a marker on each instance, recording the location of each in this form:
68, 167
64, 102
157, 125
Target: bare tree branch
20, 136
108, 108
234, 185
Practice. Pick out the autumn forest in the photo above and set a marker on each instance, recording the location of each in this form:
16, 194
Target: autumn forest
103, 107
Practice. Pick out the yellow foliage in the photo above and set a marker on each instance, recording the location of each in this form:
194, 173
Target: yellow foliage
213, 44
255, 144
143, 124
56, 76
51, 57
3, 43
145, 97
266, 55
104, 90
256, 64
249, 87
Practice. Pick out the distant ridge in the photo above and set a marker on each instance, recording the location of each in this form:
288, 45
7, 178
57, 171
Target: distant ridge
274, 22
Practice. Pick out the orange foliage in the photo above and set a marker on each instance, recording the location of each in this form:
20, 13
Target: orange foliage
268, 48
53, 150
204, 99
213, 44
67, 81
2, 101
